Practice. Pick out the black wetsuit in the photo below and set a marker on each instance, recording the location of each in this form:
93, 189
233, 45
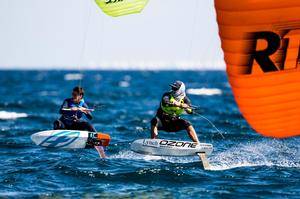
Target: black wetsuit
72, 119
169, 123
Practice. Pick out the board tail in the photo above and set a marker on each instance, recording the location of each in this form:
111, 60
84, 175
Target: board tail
105, 138
98, 139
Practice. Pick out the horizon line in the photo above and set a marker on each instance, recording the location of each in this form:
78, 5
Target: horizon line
139, 67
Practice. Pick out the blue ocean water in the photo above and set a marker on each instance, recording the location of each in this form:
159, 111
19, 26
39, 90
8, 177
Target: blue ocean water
244, 164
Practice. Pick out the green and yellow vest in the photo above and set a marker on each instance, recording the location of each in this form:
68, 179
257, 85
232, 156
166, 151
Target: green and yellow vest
173, 110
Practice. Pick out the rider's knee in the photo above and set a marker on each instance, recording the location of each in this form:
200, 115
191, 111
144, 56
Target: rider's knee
154, 122
57, 124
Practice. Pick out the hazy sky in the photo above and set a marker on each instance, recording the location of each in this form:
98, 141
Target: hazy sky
168, 33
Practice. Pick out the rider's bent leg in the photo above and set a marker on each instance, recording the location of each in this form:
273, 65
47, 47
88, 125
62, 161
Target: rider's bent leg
192, 133
57, 124
154, 128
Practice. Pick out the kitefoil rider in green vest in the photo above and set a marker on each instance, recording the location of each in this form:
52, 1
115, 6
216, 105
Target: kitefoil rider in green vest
173, 104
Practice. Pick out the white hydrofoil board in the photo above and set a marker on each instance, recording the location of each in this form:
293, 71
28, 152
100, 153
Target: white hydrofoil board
71, 139
163, 147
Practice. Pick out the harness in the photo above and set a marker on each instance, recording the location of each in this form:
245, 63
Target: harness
74, 117
173, 110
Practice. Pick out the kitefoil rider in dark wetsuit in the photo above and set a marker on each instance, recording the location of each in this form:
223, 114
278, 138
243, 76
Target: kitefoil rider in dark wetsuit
173, 104
72, 110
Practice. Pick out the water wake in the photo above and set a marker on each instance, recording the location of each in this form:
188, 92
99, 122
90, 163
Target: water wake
130, 155
280, 153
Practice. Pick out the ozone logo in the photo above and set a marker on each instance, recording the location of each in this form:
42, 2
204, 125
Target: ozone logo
178, 144
61, 139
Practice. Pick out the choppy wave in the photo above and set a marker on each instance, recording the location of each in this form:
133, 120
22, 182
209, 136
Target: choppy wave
48, 93
204, 91
5, 115
243, 163
124, 84
73, 76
